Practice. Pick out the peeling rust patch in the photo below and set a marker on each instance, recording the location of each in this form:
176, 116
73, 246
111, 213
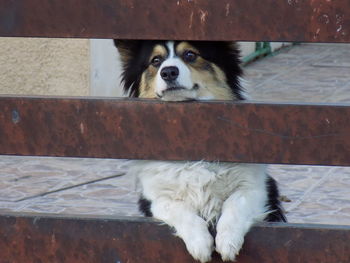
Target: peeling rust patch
15, 117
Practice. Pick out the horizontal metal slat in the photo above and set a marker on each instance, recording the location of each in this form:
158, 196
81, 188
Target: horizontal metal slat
253, 20
149, 129
44, 238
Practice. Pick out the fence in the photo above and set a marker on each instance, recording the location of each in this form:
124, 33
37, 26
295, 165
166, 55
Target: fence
289, 133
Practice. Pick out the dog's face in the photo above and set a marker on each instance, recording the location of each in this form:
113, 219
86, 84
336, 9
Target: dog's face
180, 70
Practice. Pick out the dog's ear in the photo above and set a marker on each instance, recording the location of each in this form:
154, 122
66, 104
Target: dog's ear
234, 48
127, 48
129, 51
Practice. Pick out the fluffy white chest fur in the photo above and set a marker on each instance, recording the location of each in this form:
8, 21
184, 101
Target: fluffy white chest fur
190, 195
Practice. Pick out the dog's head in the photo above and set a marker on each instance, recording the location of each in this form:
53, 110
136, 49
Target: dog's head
180, 70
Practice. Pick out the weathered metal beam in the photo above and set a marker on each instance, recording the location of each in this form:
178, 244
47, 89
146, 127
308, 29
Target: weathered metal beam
44, 238
254, 20
149, 129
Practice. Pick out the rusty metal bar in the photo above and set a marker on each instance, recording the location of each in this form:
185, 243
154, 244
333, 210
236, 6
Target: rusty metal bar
149, 129
45, 238
253, 20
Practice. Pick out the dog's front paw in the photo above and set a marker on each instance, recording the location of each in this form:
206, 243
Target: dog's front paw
200, 246
228, 245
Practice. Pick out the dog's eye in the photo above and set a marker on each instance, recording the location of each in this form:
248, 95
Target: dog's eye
156, 61
189, 56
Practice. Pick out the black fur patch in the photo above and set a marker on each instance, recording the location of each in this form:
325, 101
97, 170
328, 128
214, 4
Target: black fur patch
145, 206
274, 203
223, 54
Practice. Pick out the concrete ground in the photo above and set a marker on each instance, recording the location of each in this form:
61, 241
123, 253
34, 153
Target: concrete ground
304, 73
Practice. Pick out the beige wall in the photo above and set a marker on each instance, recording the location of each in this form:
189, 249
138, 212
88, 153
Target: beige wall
44, 66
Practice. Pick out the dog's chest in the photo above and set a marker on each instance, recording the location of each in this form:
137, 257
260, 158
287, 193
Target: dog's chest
202, 185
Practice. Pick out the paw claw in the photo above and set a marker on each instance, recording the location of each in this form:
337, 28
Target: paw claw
201, 247
228, 246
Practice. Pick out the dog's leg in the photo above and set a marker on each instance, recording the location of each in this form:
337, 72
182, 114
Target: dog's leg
188, 225
239, 212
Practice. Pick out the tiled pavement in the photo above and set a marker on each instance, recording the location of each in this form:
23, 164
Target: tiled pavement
304, 73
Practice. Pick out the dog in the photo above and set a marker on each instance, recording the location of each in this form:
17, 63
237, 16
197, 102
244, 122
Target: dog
210, 205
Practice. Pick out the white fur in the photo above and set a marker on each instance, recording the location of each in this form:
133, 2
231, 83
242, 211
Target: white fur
184, 80
171, 48
190, 195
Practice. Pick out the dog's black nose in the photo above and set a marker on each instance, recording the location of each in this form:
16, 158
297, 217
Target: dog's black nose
169, 73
